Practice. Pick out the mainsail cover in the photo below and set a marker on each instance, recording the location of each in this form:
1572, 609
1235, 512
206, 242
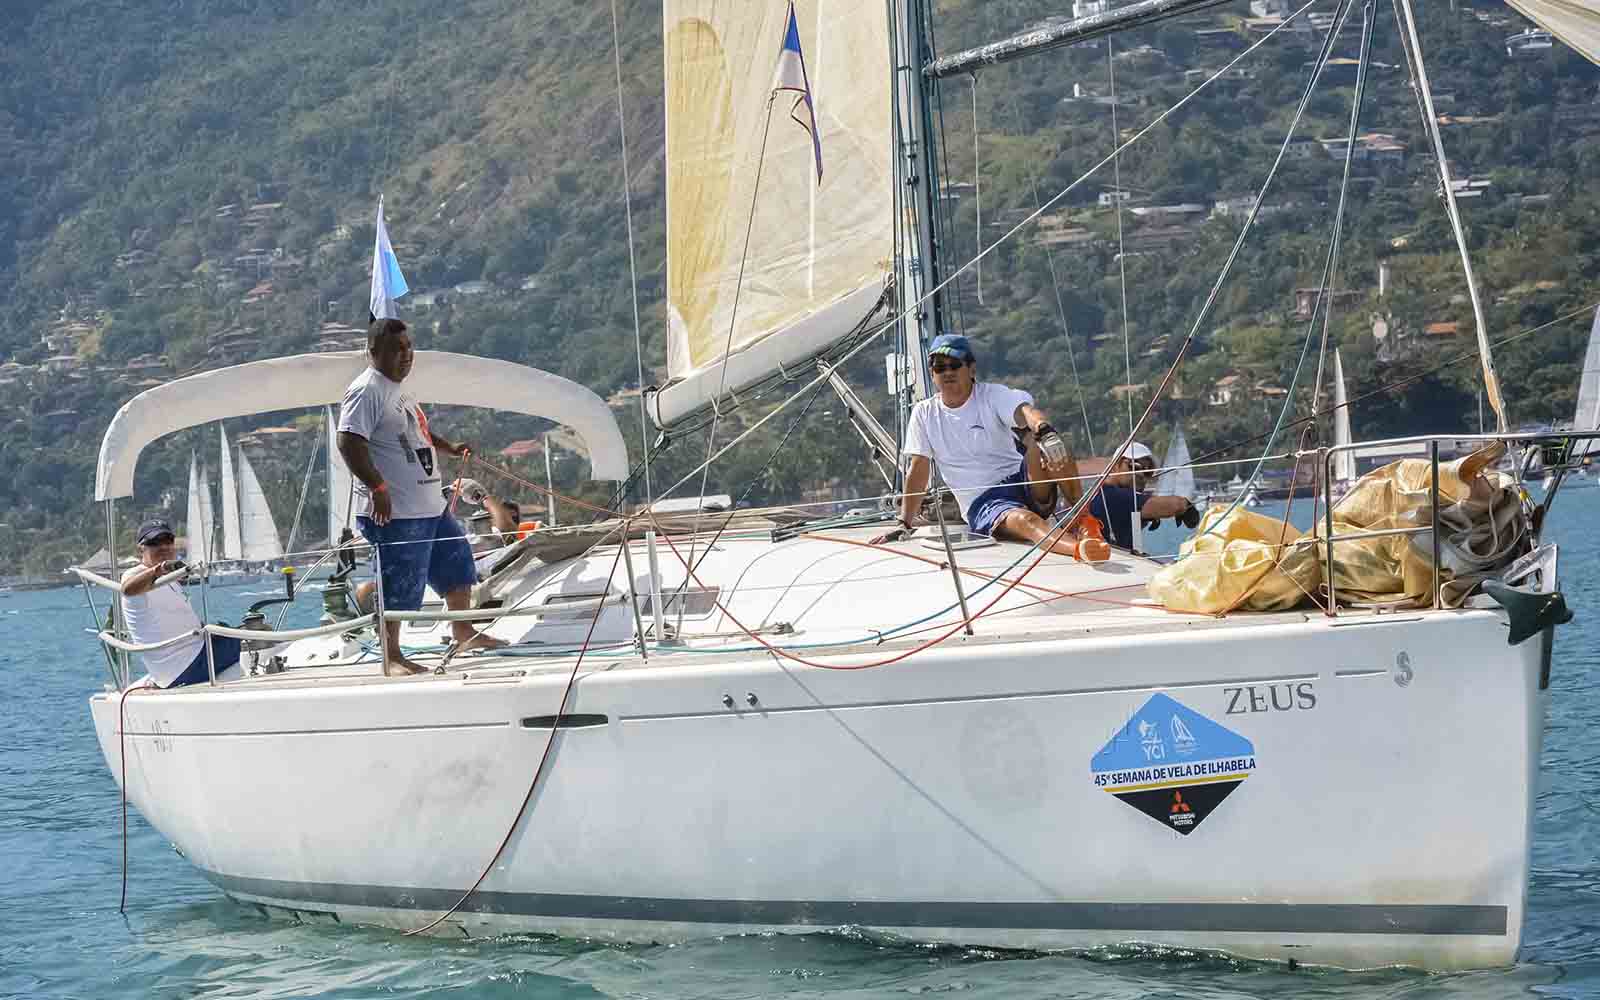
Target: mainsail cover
819, 254
1576, 23
260, 533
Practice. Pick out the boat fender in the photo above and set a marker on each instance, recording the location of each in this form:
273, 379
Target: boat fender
1530, 612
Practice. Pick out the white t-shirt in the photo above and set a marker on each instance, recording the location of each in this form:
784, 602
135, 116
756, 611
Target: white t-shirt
159, 614
972, 443
384, 413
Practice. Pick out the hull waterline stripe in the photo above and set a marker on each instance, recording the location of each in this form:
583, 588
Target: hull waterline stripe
1258, 918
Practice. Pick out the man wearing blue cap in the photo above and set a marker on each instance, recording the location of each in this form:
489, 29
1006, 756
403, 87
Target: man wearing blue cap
971, 429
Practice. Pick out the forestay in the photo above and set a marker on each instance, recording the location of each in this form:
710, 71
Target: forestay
819, 254
306, 380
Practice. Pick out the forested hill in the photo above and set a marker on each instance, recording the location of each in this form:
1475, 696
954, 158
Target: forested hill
191, 183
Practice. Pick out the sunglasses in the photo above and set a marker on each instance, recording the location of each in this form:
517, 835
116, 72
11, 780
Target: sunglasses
954, 367
160, 540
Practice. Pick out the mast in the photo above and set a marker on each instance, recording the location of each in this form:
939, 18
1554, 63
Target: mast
917, 187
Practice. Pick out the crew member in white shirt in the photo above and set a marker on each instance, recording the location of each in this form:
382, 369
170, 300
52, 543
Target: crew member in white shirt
156, 614
392, 453
972, 430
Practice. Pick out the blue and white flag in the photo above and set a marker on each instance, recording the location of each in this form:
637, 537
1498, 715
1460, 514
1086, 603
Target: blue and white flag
792, 76
388, 283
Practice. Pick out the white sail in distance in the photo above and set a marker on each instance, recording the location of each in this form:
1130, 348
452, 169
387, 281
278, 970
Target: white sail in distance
340, 493
259, 532
208, 517
818, 254
1178, 480
1586, 417
232, 542
1344, 462
1576, 23
197, 526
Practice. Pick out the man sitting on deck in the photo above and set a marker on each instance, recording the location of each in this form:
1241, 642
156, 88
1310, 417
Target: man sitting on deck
972, 430
156, 614
1123, 493
392, 452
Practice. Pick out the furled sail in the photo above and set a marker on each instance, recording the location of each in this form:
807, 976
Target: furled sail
1576, 23
232, 543
259, 532
340, 487
1178, 480
1587, 415
819, 254
1344, 462
197, 527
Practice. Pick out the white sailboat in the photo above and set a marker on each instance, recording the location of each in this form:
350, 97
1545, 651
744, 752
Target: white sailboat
232, 539
198, 526
1344, 460
1178, 479
798, 750
341, 487
258, 531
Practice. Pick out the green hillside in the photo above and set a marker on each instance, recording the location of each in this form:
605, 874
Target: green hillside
190, 183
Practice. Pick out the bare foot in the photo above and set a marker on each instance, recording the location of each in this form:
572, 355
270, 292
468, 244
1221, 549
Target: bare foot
480, 640
401, 668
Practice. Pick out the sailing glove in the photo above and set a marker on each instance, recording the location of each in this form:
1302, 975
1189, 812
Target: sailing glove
1052, 446
1190, 518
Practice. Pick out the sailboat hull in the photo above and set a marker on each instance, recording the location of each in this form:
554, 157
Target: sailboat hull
971, 794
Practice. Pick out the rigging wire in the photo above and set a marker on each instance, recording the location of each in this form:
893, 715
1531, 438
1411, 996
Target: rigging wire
633, 272
1122, 256
977, 184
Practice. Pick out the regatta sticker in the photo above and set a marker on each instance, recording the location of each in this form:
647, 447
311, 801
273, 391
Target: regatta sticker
1173, 764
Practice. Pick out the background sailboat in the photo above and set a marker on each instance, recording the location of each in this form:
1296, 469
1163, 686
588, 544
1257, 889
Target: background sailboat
1344, 462
232, 543
259, 533
340, 487
1178, 480
198, 527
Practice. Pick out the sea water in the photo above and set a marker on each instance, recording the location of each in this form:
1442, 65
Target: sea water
61, 934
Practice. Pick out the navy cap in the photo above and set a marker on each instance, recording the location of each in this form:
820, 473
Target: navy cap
152, 529
954, 345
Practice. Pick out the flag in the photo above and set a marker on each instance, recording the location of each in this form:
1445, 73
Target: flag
388, 283
792, 76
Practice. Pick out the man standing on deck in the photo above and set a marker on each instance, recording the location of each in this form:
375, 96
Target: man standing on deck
391, 451
975, 431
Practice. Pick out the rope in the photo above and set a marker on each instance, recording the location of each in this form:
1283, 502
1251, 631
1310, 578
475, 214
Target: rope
633, 274
544, 758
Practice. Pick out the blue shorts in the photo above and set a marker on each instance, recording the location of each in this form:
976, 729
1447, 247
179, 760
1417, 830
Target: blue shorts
991, 505
224, 649
416, 553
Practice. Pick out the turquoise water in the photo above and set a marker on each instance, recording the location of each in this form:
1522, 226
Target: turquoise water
61, 934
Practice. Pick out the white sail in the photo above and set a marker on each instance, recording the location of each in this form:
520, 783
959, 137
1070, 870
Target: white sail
818, 254
1178, 480
197, 526
1576, 23
232, 543
1344, 462
340, 493
259, 531
1587, 415
208, 518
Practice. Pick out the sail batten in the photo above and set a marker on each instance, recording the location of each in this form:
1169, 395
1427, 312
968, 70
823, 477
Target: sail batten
818, 254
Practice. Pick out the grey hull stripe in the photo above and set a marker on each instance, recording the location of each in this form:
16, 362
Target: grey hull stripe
1259, 918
